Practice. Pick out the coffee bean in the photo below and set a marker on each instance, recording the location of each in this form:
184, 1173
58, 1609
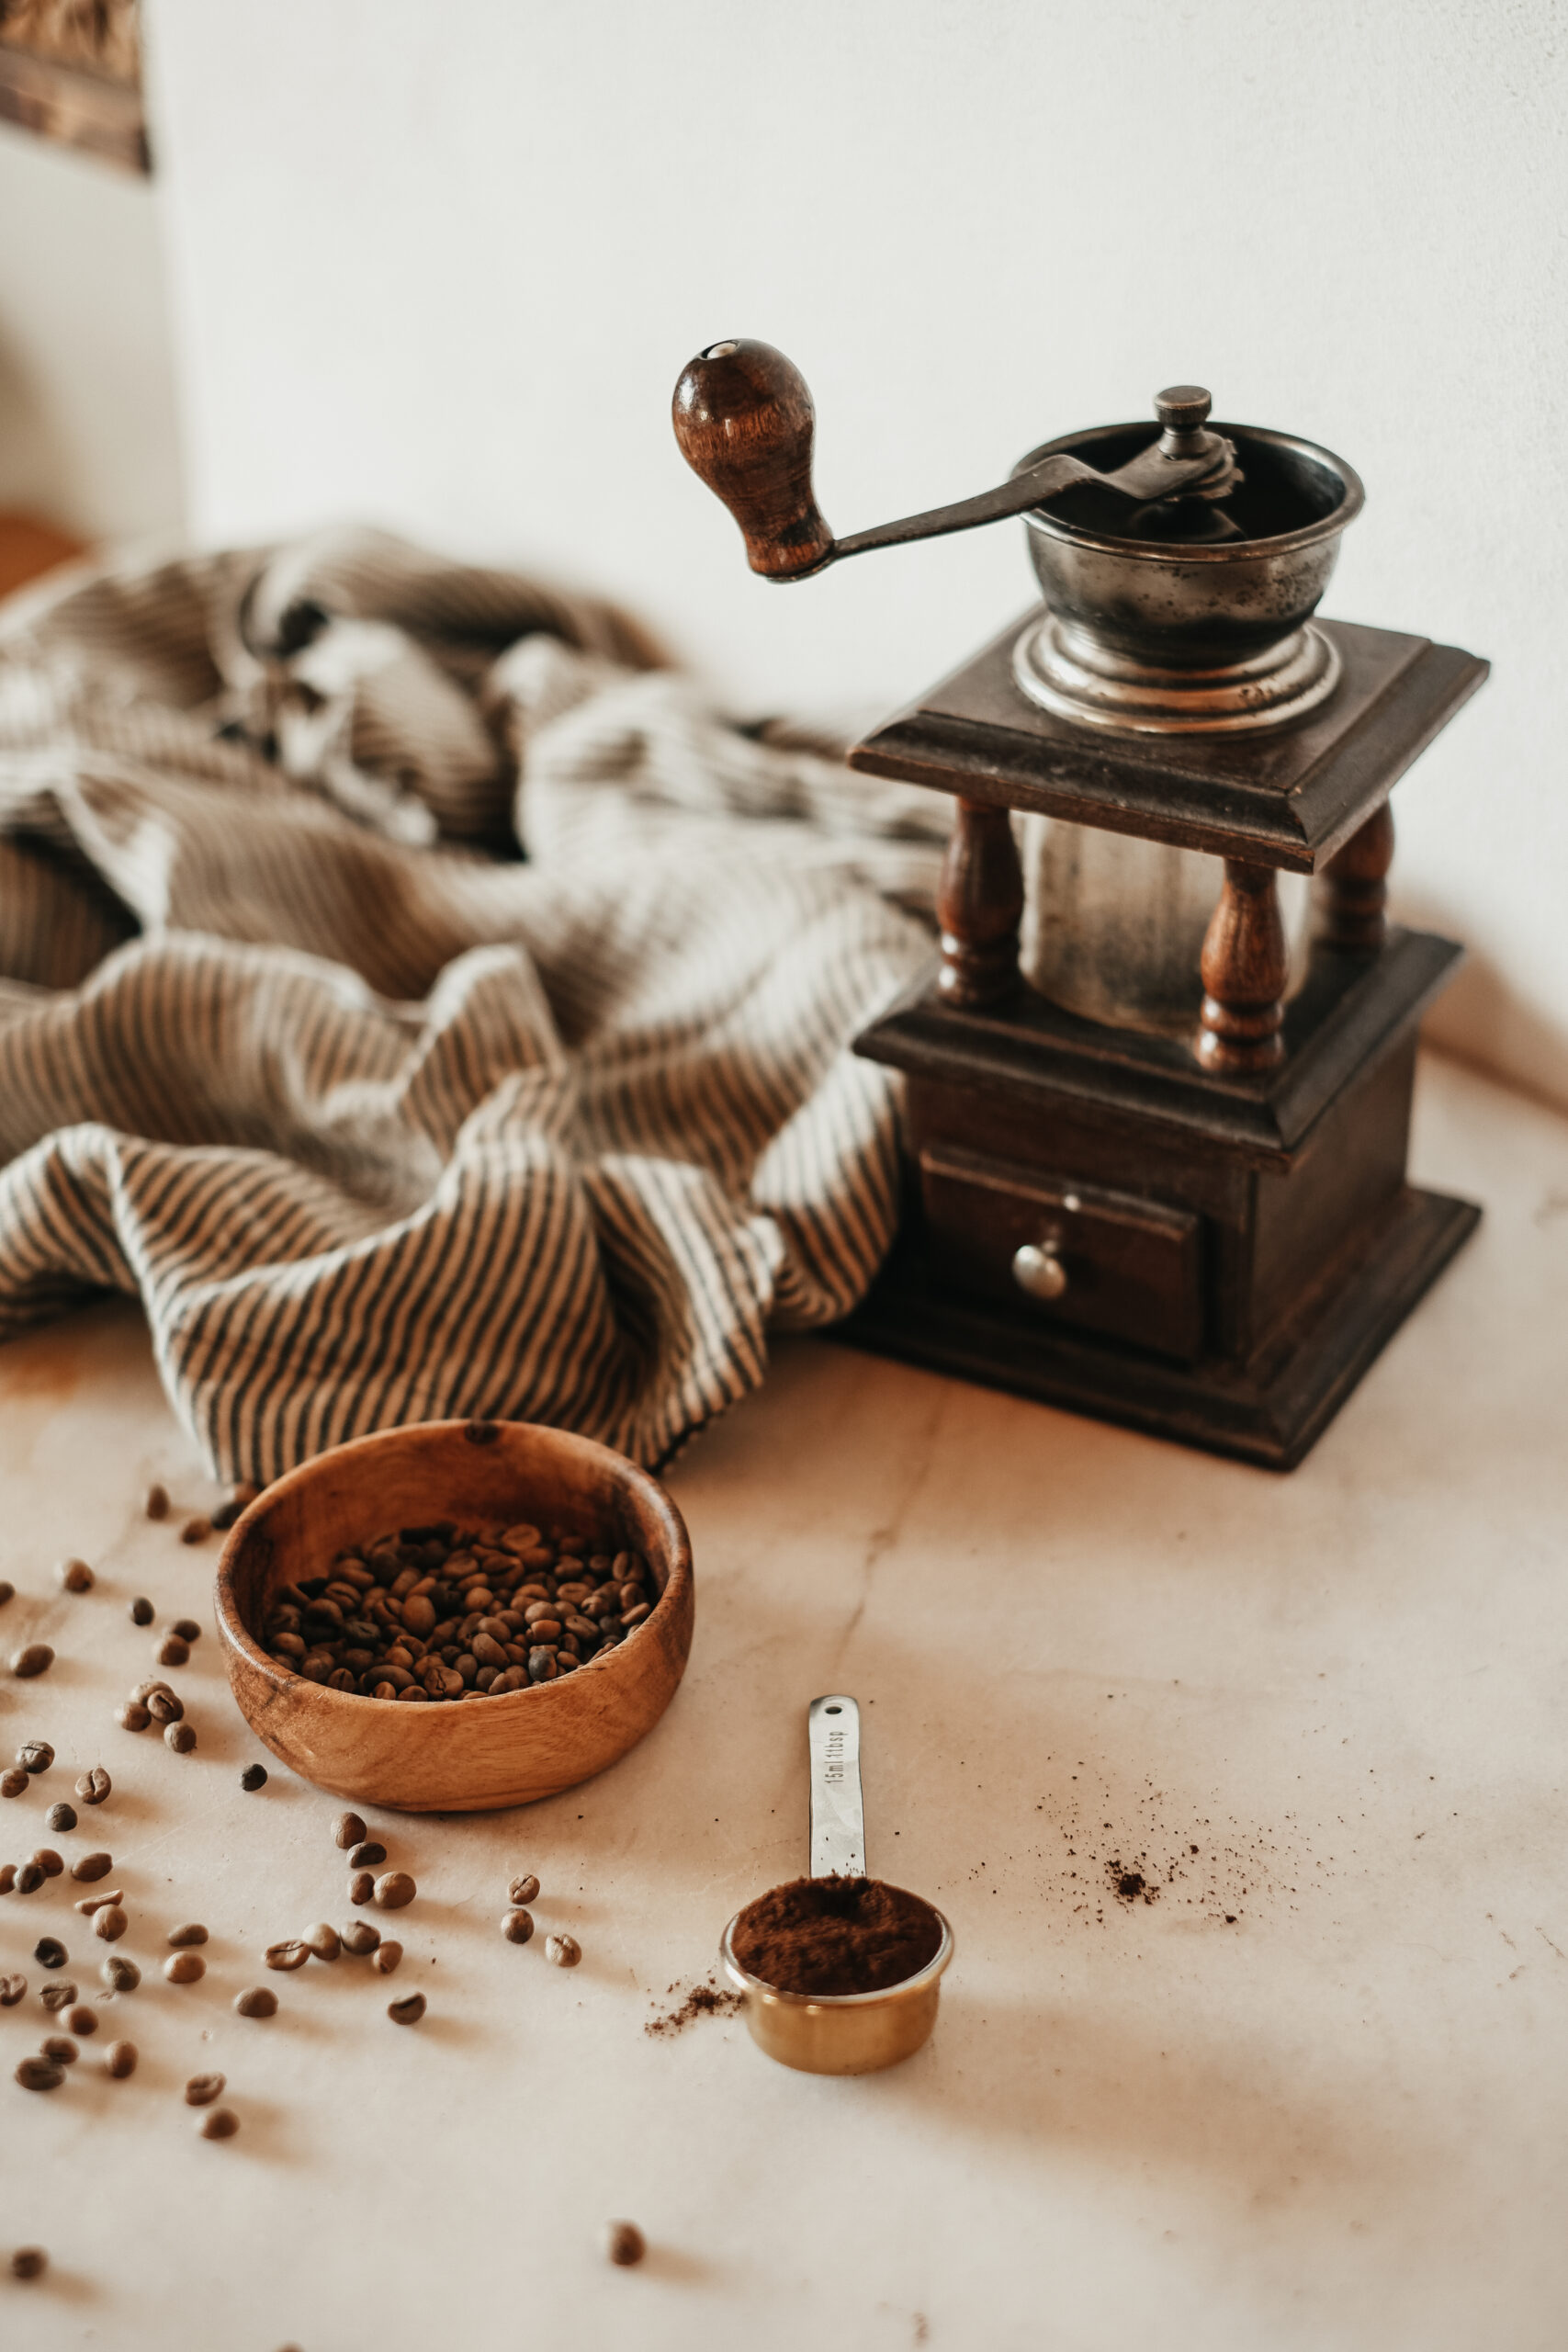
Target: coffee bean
93, 1787
40, 2075
563, 1951
81, 2021
324, 1943
133, 1715
219, 2123
35, 1755
517, 1927
361, 1887
349, 1830
196, 1530
157, 1503
60, 1996
119, 2060
13, 1988
28, 2262
254, 1777
187, 1629
393, 1889
7, 1877
293, 1953
28, 1879
73, 1576
141, 1611
13, 1780
238, 1499
119, 1974
366, 1856
630, 1617
49, 1861
172, 1651
386, 1956
408, 2011
525, 1889
164, 1705
182, 1936
202, 2090
110, 1922
624, 2243
183, 1967
89, 1867
61, 1818
7, 1590
91, 1902
61, 2048
256, 2001
37, 1658
180, 1736
360, 1937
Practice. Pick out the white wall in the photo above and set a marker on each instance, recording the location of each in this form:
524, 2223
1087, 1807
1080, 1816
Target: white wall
441, 265
88, 431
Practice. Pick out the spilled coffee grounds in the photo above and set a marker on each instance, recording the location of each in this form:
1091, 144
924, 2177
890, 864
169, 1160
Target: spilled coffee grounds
836, 1934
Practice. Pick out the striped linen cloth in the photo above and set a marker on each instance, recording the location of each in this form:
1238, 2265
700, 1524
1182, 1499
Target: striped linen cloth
426, 1005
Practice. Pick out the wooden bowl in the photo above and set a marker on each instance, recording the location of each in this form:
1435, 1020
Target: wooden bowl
468, 1755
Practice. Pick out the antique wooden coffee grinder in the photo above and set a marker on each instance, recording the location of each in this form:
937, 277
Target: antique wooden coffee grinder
1156, 1170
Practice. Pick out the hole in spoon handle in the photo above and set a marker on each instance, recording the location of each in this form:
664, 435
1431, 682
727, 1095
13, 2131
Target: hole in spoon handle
838, 1810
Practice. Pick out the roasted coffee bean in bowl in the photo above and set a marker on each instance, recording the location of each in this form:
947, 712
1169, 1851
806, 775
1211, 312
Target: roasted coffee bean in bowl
456, 1616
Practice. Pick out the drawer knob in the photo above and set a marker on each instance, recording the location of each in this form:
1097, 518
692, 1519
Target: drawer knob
1039, 1271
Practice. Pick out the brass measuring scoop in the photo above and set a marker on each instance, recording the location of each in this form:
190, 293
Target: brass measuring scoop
839, 2034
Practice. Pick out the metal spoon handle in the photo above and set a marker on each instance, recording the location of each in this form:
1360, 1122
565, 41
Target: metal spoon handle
838, 1810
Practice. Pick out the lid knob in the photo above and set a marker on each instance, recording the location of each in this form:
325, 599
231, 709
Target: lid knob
1182, 408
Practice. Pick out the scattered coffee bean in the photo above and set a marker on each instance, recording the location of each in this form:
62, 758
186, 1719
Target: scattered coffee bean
293, 1953
110, 1922
408, 2011
7, 1877
256, 2001
360, 1937
61, 2048
366, 1855
133, 1715
28, 1879
7, 1590
517, 1927
13, 1780
73, 1576
219, 2123
386, 1956
165, 1706
119, 2060
40, 2075
89, 1867
202, 2090
393, 1889
181, 1738
187, 1629
60, 1996
523, 1890
80, 2020
185, 1967
322, 1941
91, 1902
28, 2262
157, 1503
624, 2243
141, 1611
563, 1951
61, 1818
361, 1887
119, 1974
172, 1651
35, 1755
349, 1830
93, 1787
254, 1777
180, 1938
37, 1658
13, 1988
238, 1499
49, 1861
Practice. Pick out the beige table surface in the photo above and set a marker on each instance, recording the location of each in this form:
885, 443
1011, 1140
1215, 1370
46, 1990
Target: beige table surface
1314, 2096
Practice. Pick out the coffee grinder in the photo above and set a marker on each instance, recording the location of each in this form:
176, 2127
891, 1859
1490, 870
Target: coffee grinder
1156, 1157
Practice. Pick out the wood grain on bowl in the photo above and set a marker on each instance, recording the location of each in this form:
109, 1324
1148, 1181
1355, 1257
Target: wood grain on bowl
476, 1755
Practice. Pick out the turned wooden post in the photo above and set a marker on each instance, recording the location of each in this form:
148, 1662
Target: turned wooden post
1244, 966
979, 902
1353, 889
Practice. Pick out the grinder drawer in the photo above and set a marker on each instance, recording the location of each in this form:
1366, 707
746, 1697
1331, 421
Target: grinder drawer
1063, 1252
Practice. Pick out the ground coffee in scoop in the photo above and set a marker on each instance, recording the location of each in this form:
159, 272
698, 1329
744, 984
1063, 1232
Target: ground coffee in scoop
836, 1934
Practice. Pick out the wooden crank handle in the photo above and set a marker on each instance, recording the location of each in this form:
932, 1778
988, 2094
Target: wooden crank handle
743, 418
